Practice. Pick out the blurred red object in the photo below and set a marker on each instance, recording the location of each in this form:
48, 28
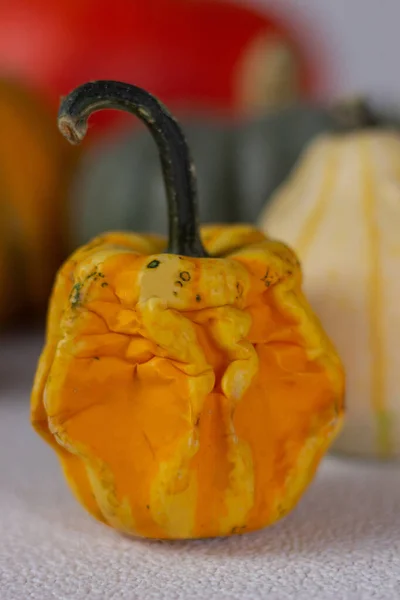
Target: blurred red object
203, 54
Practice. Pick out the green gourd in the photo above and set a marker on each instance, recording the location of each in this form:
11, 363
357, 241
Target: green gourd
119, 185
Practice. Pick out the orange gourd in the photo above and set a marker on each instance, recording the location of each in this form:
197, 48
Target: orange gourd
185, 385
34, 167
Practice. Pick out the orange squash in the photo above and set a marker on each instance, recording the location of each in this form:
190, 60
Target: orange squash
185, 385
34, 167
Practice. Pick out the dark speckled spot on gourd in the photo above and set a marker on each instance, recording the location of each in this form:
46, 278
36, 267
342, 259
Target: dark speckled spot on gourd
185, 276
153, 264
266, 279
75, 296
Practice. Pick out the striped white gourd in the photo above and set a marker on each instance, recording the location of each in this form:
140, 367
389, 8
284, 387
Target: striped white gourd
340, 210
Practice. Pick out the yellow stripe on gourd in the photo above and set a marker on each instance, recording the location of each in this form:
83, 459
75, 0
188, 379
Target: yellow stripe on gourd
375, 290
321, 205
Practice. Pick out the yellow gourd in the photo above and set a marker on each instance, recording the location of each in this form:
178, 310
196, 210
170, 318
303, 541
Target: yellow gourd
186, 387
340, 211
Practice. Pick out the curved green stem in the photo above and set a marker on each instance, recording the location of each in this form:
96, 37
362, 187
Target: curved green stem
177, 165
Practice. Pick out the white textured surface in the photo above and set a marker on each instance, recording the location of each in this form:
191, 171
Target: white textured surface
342, 542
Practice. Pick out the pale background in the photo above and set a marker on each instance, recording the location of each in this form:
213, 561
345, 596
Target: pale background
361, 37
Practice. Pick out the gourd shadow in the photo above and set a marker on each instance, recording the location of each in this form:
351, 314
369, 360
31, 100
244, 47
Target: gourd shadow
351, 504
